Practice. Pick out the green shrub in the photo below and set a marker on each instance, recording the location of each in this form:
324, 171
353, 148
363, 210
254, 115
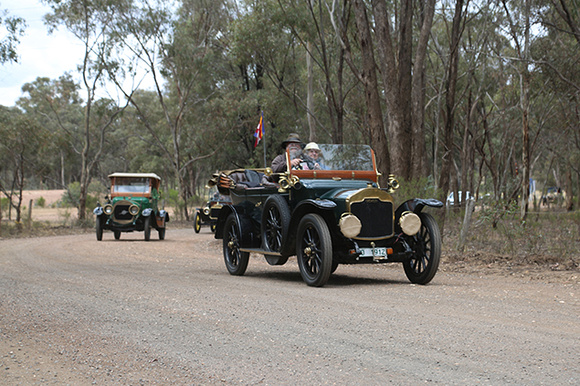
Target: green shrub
40, 202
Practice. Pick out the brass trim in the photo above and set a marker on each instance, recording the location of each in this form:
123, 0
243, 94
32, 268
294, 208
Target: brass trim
365, 193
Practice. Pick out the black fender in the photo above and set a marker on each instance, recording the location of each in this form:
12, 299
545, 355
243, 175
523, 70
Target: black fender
415, 205
249, 237
321, 207
225, 211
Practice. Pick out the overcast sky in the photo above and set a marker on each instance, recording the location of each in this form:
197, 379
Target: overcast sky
40, 54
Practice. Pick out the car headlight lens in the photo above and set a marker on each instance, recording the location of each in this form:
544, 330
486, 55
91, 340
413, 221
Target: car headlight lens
108, 209
410, 223
206, 211
134, 210
350, 225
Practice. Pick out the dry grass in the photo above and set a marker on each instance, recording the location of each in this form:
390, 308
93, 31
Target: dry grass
550, 240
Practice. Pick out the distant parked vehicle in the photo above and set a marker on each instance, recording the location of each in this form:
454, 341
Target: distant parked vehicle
132, 206
451, 198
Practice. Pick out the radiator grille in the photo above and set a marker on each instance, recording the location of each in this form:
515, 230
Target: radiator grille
376, 217
121, 212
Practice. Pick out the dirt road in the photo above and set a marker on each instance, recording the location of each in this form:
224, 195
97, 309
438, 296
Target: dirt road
77, 311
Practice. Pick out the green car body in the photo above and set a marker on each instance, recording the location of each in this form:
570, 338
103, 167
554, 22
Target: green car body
133, 205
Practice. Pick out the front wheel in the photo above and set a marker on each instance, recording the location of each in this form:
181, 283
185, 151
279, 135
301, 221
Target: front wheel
197, 223
426, 245
236, 260
314, 250
99, 228
147, 228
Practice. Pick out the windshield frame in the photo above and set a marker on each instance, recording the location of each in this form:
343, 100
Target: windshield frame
370, 174
118, 182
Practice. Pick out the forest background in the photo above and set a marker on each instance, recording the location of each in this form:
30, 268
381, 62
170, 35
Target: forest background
473, 96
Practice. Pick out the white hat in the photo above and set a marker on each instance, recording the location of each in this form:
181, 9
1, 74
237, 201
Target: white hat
311, 146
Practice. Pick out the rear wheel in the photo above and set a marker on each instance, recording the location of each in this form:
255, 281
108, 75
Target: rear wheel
147, 228
99, 228
117, 235
236, 260
314, 250
161, 232
426, 244
197, 223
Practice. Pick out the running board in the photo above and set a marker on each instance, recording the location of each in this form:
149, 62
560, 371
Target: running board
261, 251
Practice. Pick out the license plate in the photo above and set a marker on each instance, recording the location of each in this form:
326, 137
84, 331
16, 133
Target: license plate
376, 252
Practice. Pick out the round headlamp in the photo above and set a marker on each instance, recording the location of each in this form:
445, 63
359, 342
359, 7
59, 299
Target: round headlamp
410, 223
206, 211
350, 225
108, 209
134, 210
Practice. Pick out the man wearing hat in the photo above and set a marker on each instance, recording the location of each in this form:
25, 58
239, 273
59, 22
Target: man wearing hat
294, 145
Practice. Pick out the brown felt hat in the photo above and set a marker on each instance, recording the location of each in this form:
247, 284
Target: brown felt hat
292, 138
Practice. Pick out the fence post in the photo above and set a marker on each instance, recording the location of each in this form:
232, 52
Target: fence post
30, 214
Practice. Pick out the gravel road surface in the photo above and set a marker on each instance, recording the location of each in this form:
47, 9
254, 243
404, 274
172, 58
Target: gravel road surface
77, 311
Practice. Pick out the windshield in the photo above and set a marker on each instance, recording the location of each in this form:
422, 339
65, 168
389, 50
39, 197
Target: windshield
338, 157
131, 185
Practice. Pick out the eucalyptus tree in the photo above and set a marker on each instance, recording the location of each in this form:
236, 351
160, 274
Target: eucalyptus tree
88, 21
176, 46
55, 105
387, 42
557, 54
13, 28
22, 146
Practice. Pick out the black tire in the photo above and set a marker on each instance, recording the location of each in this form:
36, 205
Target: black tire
236, 260
161, 232
314, 250
99, 228
275, 223
427, 247
147, 228
117, 235
197, 223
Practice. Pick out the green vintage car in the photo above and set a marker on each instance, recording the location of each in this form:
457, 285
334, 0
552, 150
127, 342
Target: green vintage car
326, 217
133, 205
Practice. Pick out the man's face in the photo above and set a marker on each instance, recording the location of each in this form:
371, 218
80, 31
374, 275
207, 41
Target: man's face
294, 149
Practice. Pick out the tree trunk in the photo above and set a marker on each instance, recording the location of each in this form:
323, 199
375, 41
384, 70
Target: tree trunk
525, 102
419, 151
369, 78
450, 103
396, 85
569, 192
310, 95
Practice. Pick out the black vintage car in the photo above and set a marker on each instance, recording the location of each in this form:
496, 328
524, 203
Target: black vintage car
209, 212
328, 217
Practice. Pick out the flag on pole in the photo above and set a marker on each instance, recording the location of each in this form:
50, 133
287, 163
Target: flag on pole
259, 131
